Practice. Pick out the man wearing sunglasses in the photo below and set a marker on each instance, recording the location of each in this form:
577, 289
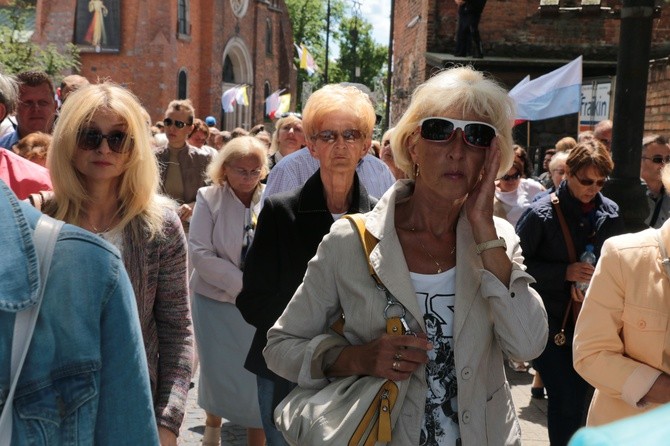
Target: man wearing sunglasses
655, 155
182, 165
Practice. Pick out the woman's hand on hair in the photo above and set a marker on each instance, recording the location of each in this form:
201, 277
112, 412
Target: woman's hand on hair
479, 204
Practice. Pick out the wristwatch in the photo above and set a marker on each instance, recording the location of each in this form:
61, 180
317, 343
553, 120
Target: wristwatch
497, 243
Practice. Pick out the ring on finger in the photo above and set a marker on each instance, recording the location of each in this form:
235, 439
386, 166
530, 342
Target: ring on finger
395, 365
397, 356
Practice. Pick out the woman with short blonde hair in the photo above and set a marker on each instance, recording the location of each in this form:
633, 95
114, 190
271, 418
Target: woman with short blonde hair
463, 89
288, 137
235, 149
222, 229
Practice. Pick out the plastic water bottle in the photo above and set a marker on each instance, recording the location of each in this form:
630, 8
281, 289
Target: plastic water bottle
587, 257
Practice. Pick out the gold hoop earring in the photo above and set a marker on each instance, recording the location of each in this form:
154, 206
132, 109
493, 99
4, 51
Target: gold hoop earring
416, 170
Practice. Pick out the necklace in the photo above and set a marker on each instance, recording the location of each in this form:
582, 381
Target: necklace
439, 267
99, 231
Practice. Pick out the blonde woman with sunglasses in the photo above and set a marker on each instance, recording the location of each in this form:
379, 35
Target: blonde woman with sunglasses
455, 268
590, 218
106, 181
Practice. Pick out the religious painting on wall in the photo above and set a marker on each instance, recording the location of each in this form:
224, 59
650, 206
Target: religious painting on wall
98, 26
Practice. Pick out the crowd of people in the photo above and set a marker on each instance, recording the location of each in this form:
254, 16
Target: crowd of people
187, 246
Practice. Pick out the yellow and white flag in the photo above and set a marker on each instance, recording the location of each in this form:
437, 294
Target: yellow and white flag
306, 60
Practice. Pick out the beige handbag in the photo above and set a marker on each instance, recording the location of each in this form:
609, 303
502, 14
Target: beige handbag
355, 410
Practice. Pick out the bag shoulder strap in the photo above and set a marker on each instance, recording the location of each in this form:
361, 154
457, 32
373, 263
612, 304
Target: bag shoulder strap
44, 239
572, 255
368, 241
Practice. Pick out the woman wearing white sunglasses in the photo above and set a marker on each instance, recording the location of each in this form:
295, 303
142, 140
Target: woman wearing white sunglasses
455, 268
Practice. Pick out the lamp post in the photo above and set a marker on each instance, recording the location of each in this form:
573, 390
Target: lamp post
325, 74
389, 74
632, 72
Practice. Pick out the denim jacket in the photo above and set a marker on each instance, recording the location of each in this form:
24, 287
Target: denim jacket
85, 378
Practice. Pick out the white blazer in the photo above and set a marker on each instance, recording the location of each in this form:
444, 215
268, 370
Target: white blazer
491, 319
215, 241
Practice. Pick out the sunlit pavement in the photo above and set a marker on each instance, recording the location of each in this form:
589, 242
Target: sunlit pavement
532, 414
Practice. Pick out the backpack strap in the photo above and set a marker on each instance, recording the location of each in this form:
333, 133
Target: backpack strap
44, 239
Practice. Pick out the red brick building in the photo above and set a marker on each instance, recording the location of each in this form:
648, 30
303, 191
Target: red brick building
164, 50
519, 40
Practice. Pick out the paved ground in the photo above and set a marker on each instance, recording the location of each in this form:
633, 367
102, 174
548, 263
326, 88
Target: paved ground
532, 415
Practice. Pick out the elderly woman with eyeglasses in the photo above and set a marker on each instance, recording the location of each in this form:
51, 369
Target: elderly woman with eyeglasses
455, 268
222, 229
105, 179
182, 165
339, 122
590, 218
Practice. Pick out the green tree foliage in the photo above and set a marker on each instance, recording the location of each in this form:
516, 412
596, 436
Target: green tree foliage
308, 20
19, 53
358, 49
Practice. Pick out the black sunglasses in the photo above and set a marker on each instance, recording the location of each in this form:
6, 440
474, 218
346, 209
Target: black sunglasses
589, 182
179, 124
514, 176
475, 133
658, 159
91, 139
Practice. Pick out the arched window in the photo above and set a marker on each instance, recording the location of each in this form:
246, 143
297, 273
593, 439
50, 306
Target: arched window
183, 19
182, 84
228, 72
268, 37
267, 91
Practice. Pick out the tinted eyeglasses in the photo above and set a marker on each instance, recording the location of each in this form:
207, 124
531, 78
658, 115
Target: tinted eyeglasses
179, 124
330, 136
475, 133
514, 176
287, 114
658, 159
589, 182
91, 139
253, 174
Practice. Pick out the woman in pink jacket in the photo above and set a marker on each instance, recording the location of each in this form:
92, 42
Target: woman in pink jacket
622, 337
222, 228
